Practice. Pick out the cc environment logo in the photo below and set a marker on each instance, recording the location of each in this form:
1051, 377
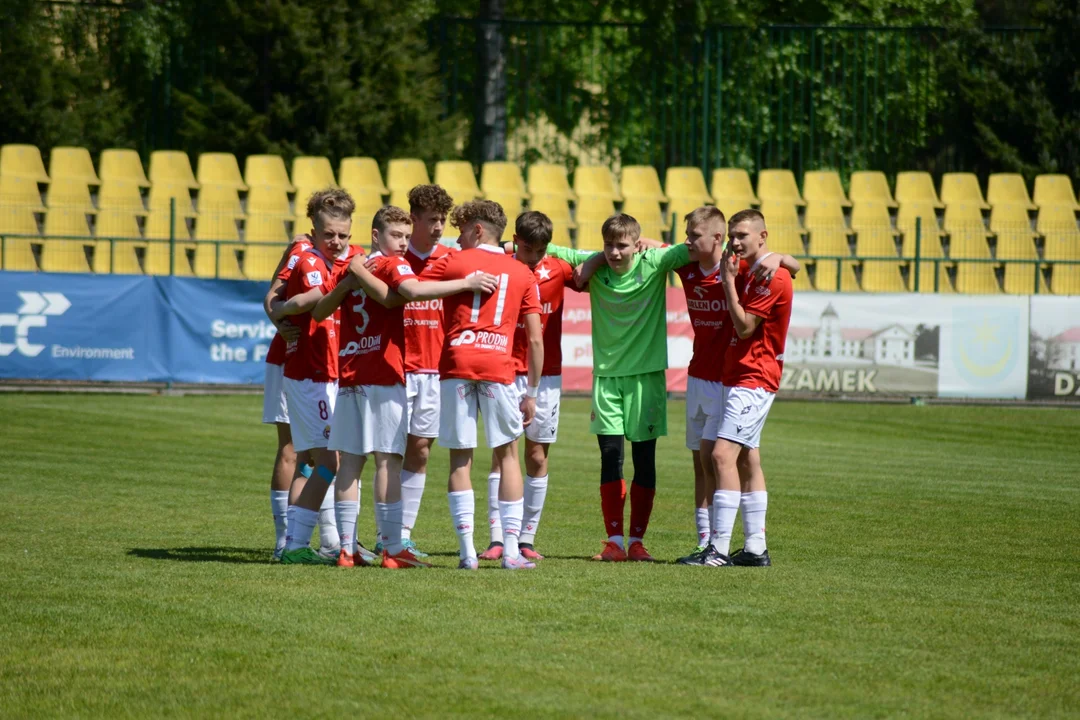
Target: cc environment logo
33, 313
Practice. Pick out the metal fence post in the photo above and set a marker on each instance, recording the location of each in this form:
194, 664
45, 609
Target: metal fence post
172, 236
918, 248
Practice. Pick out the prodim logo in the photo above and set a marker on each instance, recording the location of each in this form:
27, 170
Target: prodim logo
33, 313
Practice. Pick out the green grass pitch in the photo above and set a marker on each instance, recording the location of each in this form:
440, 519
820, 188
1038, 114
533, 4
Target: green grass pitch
926, 565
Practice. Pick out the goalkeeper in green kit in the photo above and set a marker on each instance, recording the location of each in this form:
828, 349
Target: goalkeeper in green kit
629, 399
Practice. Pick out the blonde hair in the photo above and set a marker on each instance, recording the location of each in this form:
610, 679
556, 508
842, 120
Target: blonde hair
484, 211
703, 214
744, 215
390, 215
621, 226
333, 203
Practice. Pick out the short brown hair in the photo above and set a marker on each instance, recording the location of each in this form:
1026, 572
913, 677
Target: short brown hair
533, 228
621, 226
332, 203
744, 215
703, 214
423, 198
390, 215
485, 211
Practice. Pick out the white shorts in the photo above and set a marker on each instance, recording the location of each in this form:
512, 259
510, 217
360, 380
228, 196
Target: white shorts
745, 410
462, 400
704, 403
422, 406
544, 428
311, 410
369, 418
275, 409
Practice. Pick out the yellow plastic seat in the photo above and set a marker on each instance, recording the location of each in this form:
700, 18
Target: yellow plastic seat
966, 217
786, 238
220, 200
591, 207
801, 282
907, 222
875, 242
645, 210
871, 186
641, 181
1015, 246
1061, 246
825, 215
555, 207
549, 179
162, 194
778, 185
824, 185
1055, 190
66, 247
589, 235
158, 226
929, 272
1058, 219
882, 276
173, 167
217, 228
1023, 279
968, 245
270, 200
115, 250
685, 183
780, 212
156, 260
976, 279
361, 230
502, 179
733, 183
312, 171
267, 170
216, 260
66, 222
916, 187
122, 164
362, 172
220, 168
268, 229
596, 180
400, 198
260, 261
731, 205
828, 279
117, 224
509, 201
871, 215
560, 234
71, 193
1065, 279
1010, 218
74, 163
679, 208
17, 253
458, 179
15, 220
406, 173
829, 242
19, 192
962, 188
22, 161
121, 195
1010, 189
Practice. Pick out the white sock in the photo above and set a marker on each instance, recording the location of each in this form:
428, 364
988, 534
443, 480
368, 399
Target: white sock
380, 521
704, 525
346, 512
301, 524
279, 508
511, 513
631, 540
412, 489
753, 506
328, 534
617, 539
462, 509
391, 527
535, 494
494, 518
726, 507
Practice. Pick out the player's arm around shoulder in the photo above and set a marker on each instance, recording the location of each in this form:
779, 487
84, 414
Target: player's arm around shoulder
571, 256
669, 258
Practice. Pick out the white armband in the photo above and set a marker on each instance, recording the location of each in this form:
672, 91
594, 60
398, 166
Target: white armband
531, 391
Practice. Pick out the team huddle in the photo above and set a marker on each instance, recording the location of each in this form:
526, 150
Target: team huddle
382, 354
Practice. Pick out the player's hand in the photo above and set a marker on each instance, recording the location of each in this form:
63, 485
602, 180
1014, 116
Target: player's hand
371, 263
482, 282
582, 277
728, 266
288, 332
767, 268
648, 244
528, 410
302, 238
359, 262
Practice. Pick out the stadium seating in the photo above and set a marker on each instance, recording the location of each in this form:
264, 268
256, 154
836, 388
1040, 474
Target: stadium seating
121, 195
269, 200
589, 236
829, 278
220, 169
929, 272
173, 167
510, 201
214, 227
829, 242
560, 235
976, 279
782, 221
64, 249
358, 173
733, 183
647, 212
1065, 279
18, 252
919, 219
824, 185
22, 161
120, 164
882, 276
74, 163
591, 207
1015, 246
554, 206
1057, 219
267, 170
778, 185
457, 178
825, 215
916, 187
875, 234
801, 282
400, 198
596, 180
1010, 218
312, 171
162, 194
70, 193
967, 233
687, 184
502, 179
220, 200
641, 181
403, 174
1008, 188
871, 186
731, 205
1020, 279
962, 188
20, 192
549, 179
117, 257
1055, 190
267, 229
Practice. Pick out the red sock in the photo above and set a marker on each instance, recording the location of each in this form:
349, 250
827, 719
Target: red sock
641, 502
612, 502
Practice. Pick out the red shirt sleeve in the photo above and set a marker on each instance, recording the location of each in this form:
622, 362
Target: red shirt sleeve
438, 269
395, 271
312, 276
530, 301
290, 263
760, 299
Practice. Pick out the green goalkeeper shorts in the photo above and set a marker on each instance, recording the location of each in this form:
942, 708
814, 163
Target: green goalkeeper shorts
632, 405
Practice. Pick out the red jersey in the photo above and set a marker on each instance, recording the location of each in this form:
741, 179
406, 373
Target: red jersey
553, 276
372, 336
708, 310
314, 354
276, 354
480, 328
424, 318
758, 361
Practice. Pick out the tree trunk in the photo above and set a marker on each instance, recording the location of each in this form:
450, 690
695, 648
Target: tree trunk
489, 126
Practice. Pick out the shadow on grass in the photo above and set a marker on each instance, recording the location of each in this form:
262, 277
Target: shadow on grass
232, 555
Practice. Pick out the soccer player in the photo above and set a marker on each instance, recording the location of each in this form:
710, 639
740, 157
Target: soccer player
370, 414
707, 307
629, 400
532, 235
476, 373
759, 312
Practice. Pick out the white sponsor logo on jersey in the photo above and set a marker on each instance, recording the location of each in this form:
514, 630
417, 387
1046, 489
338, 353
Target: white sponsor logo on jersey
314, 278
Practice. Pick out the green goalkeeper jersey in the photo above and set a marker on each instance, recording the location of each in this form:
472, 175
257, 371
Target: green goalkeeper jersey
629, 311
